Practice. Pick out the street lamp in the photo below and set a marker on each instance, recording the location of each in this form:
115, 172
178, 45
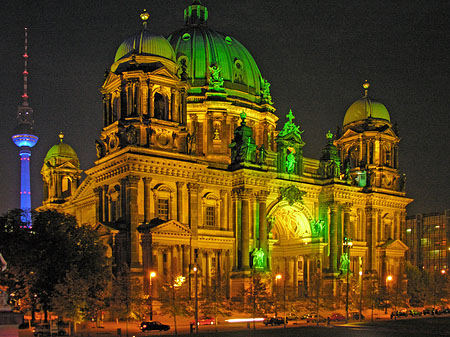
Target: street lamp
360, 293
195, 269
277, 277
347, 244
152, 275
388, 279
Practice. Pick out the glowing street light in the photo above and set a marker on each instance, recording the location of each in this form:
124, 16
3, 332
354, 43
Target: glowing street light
388, 279
277, 277
348, 243
195, 269
360, 293
152, 275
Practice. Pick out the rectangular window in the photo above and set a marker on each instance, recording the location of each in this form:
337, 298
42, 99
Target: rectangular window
210, 216
163, 209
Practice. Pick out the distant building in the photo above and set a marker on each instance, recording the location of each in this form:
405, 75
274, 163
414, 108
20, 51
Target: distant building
192, 171
25, 138
428, 239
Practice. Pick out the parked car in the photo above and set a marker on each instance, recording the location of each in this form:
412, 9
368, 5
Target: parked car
314, 318
273, 321
205, 321
337, 317
154, 325
445, 310
355, 315
414, 312
399, 313
48, 329
431, 311
291, 317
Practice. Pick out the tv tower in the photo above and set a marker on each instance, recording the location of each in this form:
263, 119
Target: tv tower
25, 138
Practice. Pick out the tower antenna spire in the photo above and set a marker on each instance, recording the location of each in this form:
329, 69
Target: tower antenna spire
25, 71
25, 138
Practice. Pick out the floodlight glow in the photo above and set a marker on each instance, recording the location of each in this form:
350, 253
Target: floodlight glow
242, 320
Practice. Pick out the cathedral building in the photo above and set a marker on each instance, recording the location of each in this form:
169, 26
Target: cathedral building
193, 169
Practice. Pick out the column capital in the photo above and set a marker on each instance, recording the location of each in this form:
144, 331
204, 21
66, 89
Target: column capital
242, 192
347, 207
98, 189
180, 184
133, 180
261, 196
194, 187
147, 180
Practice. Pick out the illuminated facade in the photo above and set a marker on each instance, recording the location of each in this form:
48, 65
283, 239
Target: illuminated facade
428, 239
192, 171
25, 139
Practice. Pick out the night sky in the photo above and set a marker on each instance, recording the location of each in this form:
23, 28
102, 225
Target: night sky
316, 55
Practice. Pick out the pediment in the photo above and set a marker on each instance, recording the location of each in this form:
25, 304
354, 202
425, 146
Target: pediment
394, 245
104, 230
349, 133
67, 165
164, 72
171, 227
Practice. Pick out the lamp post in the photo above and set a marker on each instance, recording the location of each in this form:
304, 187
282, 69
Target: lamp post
196, 299
360, 293
152, 275
347, 244
277, 277
388, 279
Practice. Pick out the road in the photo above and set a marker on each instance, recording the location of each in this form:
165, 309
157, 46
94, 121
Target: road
438, 326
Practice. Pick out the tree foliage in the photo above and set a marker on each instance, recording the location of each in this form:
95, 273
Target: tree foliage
51, 260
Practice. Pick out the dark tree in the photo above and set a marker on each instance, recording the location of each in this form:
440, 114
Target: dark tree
56, 251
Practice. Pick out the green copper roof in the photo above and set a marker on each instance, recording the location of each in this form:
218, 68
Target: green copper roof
363, 109
62, 151
145, 43
198, 47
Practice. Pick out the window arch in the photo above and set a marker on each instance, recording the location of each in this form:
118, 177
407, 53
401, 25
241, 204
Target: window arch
161, 106
210, 206
163, 196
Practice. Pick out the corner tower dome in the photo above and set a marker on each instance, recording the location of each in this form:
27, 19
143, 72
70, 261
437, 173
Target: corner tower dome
62, 152
366, 108
145, 43
199, 47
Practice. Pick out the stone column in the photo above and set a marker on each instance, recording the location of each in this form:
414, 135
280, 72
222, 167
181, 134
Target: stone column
147, 256
237, 244
105, 203
123, 198
295, 277
186, 262
223, 209
147, 181
132, 217
169, 255
208, 267
347, 230
333, 238
263, 235
290, 271
160, 262
180, 185
193, 191
151, 100
370, 238
245, 230
172, 115
99, 192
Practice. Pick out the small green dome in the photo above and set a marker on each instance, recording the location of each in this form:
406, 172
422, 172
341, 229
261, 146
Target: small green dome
199, 47
365, 108
145, 43
62, 152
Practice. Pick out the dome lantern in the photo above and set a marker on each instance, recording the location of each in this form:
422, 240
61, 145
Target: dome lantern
196, 14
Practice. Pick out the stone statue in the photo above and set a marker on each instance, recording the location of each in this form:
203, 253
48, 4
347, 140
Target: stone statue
344, 263
258, 258
215, 81
290, 162
262, 155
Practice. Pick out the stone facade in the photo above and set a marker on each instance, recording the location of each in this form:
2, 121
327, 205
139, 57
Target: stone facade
196, 174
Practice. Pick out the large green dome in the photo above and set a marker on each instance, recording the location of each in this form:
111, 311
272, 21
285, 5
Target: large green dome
365, 108
200, 47
62, 152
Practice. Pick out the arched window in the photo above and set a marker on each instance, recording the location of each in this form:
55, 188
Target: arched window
161, 107
66, 186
